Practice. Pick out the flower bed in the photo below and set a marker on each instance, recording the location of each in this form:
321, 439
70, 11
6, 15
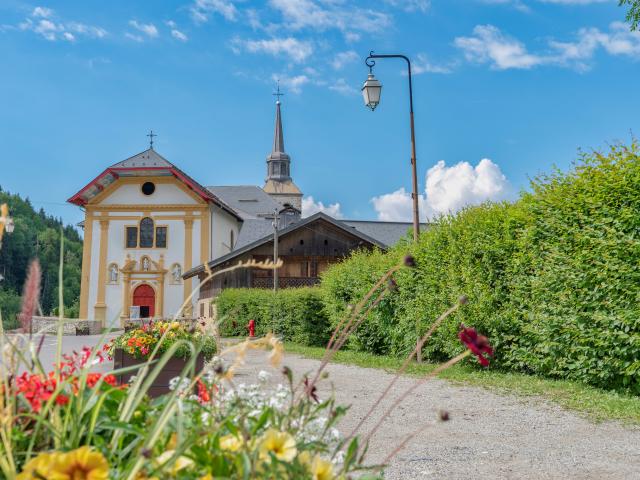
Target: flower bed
161, 337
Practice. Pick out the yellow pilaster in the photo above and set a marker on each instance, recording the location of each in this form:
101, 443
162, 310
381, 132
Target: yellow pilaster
188, 260
160, 295
126, 297
86, 265
205, 232
100, 306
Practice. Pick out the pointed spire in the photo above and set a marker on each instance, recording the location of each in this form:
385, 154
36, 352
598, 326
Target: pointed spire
278, 162
278, 136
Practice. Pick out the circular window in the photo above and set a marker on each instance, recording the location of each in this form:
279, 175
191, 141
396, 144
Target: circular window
148, 188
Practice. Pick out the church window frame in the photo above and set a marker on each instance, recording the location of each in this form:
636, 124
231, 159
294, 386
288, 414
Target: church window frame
127, 237
146, 232
156, 241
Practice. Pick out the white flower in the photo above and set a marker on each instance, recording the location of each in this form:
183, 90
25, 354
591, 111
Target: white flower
180, 384
263, 376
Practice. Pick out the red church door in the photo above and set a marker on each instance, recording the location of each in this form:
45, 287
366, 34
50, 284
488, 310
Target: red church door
145, 298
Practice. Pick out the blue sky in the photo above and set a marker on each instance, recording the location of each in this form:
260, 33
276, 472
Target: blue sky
504, 90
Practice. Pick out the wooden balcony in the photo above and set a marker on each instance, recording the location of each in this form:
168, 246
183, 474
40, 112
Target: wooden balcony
285, 282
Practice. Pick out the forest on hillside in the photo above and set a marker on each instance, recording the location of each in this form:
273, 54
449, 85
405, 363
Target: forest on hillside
37, 235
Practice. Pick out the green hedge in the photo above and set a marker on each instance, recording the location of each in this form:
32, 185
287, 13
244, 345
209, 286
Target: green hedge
296, 314
553, 279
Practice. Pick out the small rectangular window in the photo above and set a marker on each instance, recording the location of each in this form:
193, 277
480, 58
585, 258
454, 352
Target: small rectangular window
161, 237
132, 237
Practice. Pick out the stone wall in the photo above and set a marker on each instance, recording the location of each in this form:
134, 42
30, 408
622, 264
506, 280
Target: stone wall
70, 327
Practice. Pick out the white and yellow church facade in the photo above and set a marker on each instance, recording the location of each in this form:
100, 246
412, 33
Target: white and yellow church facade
146, 223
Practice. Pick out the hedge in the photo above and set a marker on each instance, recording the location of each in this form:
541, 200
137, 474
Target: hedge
296, 314
553, 278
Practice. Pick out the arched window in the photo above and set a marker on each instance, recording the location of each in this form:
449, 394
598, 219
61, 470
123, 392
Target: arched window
146, 233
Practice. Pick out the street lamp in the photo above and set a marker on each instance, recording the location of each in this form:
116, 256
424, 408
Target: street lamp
371, 91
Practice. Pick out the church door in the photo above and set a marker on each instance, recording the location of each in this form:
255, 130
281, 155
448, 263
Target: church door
145, 298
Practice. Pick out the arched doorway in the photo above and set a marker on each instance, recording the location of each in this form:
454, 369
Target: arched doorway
145, 297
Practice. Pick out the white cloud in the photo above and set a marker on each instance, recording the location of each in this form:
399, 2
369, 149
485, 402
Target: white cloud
292, 83
43, 24
149, 29
291, 47
326, 15
517, 4
422, 65
397, 206
201, 9
489, 45
310, 207
177, 34
410, 5
134, 37
352, 37
42, 12
87, 30
343, 58
448, 189
341, 86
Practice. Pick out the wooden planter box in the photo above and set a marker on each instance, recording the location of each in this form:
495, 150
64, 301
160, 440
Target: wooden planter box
160, 385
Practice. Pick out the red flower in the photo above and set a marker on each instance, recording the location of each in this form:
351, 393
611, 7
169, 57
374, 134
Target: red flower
478, 344
203, 393
110, 380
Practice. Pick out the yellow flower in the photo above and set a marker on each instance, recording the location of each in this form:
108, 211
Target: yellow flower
180, 463
281, 444
208, 476
320, 468
231, 443
175, 325
80, 464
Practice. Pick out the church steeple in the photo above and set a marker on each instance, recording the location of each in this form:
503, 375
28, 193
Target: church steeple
278, 183
278, 162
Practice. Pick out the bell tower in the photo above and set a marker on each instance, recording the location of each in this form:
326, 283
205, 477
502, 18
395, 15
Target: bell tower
279, 184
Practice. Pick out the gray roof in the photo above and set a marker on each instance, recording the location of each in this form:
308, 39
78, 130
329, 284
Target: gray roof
252, 229
291, 228
388, 233
249, 201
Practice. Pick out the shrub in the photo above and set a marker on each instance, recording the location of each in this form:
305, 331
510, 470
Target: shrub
552, 278
295, 314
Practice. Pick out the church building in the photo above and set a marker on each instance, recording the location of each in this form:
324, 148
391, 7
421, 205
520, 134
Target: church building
150, 228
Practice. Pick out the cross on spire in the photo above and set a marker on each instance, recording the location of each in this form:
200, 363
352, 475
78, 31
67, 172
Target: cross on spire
278, 94
151, 135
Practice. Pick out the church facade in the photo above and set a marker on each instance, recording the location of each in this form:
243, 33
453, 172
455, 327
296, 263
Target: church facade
147, 224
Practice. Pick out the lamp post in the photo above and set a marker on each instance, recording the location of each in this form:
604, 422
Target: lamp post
371, 91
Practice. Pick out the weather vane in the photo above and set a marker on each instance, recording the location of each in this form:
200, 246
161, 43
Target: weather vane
278, 94
151, 135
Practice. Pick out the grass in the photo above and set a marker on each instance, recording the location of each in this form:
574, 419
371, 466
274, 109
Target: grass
596, 404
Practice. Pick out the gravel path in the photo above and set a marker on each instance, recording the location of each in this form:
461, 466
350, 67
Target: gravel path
489, 436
